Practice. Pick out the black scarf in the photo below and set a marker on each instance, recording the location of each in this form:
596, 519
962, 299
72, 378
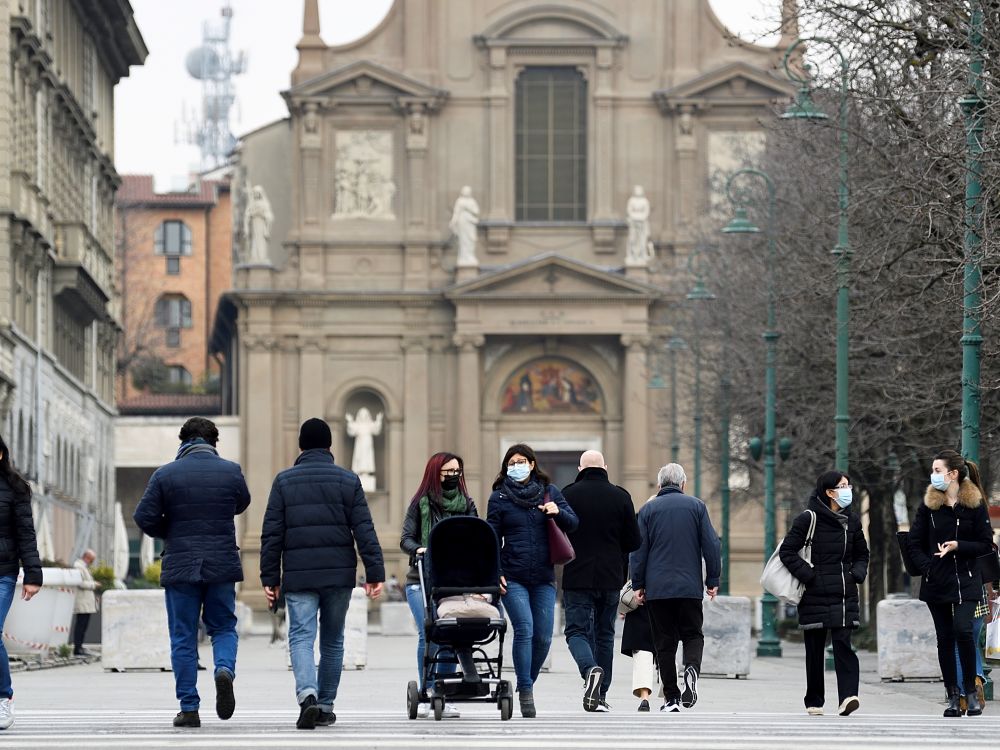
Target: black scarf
528, 494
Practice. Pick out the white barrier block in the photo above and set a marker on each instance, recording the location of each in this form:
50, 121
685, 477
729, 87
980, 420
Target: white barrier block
356, 631
907, 644
728, 641
35, 626
244, 619
134, 632
397, 619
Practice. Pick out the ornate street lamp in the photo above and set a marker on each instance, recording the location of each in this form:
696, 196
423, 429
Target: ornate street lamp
674, 345
804, 109
699, 293
769, 643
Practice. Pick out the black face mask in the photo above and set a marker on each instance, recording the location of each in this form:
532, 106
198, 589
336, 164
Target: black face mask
449, 483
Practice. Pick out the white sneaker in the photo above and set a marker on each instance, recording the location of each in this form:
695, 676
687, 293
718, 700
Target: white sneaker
423, 710
815, 710
6, 713
450, 712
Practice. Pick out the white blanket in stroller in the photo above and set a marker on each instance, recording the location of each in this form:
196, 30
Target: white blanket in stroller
466, 605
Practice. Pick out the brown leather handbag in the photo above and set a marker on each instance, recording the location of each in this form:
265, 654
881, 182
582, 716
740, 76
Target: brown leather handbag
560, 549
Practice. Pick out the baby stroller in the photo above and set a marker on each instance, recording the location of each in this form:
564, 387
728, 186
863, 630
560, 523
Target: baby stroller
463, 557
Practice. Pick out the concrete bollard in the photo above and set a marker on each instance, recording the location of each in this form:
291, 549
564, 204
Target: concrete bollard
907, 644
244, 619
356, 631
728, 641
134, 632
397, 619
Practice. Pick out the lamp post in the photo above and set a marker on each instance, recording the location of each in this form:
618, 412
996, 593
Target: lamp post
805, 109
769, 643
972, 339
699, 293
724, 388
674, 345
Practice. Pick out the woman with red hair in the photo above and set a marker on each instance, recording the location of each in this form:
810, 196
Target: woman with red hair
442, 493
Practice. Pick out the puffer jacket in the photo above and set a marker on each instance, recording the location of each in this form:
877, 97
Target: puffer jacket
839, 563
954, 578
409, 539
316, 513
524, 540
190, 504
17, 536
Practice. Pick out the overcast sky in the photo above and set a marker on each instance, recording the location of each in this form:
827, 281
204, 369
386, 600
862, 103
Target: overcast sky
150, 103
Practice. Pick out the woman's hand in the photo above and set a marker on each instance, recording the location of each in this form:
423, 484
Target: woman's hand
549, 508
503, 585
946, 547
421, 550
28, 590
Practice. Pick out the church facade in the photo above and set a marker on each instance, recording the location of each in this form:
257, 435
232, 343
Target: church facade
472, 230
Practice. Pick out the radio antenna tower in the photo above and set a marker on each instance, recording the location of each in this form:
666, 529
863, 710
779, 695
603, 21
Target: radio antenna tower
215, 65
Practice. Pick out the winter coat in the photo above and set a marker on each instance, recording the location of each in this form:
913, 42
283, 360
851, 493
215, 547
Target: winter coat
676, 535
17, 536
637, 633
954, 578
607, 531
524, 550
190, 504
85, 601
839, 564
315, 515
409, 540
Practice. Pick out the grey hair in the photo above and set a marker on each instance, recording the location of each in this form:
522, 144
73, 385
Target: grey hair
671, 474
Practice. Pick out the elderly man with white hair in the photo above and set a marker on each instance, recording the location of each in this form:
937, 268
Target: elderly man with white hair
668, 578
85, 603
591, 582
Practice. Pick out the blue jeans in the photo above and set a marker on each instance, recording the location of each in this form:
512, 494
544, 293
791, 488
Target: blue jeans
590, 630
303, 607
530, 609
187, 603
977, 629
416, 601
6, 599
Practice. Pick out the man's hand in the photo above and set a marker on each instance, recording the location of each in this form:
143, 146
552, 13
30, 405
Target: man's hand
271, 594
640, 595
373, 590
712, 592
28, 590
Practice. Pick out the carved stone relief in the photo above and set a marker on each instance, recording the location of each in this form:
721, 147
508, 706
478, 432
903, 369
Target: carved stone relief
363, 185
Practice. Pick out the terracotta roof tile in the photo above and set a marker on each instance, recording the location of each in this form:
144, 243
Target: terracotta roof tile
172, 403
137, 189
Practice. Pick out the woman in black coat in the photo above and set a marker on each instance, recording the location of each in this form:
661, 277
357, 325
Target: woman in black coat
951, 529
830, 602
17, 550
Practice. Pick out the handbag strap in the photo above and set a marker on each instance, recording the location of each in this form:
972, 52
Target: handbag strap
809, 537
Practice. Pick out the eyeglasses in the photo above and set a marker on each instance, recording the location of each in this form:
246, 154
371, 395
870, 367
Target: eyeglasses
451, 472
843, 486
519, 462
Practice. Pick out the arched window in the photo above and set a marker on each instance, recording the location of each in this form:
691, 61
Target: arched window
173, 239
173, 312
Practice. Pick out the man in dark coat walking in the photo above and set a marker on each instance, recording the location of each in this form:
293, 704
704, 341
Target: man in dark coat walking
667, 576
315, 515
190, 504
591, 583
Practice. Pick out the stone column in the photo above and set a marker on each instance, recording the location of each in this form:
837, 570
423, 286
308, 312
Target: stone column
635, 403
312, 393
416, 398
416, 261
501, 157
310, 141
604, 153
686, 155
469, 406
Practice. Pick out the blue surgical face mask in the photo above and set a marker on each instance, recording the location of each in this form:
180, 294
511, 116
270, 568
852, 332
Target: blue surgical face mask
845, 495
940, 481
519, 472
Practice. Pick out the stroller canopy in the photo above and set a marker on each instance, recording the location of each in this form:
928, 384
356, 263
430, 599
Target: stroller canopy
463, 551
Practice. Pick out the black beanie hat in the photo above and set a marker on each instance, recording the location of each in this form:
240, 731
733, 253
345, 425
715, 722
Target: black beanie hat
315, 433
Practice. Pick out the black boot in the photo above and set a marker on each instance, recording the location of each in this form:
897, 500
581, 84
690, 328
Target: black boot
975, 707
953, 699
527, 701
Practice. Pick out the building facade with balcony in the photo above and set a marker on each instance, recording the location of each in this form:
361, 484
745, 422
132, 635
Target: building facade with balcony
59, 63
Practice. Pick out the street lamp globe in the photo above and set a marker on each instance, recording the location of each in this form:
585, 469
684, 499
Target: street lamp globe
740, 223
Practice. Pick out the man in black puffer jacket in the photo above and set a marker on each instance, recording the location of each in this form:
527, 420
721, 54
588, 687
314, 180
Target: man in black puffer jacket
316, 513
190, 504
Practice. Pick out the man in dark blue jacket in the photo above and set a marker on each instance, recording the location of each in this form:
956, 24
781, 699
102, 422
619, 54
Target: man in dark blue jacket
315, 515
667, 576
189, 504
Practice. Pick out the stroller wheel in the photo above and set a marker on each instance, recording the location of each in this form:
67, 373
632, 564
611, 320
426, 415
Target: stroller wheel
412, 699
506, 707
437, 703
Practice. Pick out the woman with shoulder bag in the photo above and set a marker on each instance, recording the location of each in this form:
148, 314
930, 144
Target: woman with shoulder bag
951, 529
519, 510
830, 602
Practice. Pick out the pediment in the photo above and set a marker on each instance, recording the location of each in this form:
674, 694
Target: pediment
554, 24
367, 82
737, 83
552, 277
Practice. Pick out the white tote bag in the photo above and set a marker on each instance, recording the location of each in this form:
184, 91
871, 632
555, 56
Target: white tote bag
778, 580
993, 632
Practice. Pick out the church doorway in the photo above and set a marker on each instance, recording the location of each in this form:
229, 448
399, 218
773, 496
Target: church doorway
561, 466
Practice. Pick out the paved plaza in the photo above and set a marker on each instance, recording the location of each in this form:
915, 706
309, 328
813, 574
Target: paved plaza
85, 707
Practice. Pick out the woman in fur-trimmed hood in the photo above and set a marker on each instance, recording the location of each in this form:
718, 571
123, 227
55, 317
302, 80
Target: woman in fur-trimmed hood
951, 529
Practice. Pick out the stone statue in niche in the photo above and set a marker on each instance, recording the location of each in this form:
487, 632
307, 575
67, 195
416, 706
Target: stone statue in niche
363, 186
257, 223
364, 428
640, 247
464, 225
